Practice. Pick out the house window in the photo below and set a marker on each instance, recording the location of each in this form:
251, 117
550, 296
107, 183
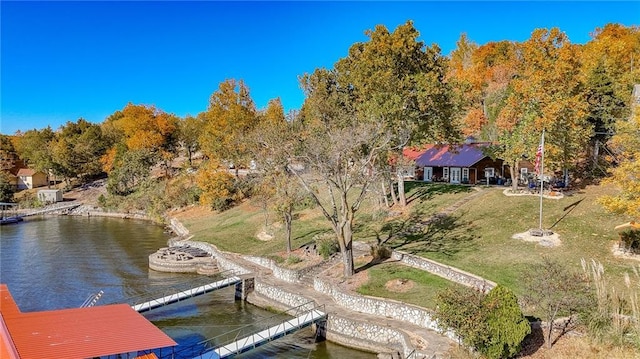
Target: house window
489, 172
523, 173
465, 174
445, 173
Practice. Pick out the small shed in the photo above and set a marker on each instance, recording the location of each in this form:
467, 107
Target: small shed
50, 195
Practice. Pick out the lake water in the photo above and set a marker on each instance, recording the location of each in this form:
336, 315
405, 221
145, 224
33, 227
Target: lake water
57, 262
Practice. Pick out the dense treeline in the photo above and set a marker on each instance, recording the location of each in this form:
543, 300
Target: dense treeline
387, 93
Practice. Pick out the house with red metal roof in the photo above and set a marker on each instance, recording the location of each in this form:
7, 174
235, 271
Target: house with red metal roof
77, 333
464, 163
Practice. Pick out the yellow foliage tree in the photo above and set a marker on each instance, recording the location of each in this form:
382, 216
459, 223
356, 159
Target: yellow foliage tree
626, 176
216, 186
230, 117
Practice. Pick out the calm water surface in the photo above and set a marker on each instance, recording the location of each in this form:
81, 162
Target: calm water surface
57, 262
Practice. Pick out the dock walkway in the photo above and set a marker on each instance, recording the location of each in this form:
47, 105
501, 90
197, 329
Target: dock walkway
61, 207
190, 293
264, 336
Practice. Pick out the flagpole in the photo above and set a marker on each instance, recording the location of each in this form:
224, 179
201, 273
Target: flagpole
541, 177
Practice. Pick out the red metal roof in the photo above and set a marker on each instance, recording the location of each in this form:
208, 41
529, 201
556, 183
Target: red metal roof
464, 155
79, 333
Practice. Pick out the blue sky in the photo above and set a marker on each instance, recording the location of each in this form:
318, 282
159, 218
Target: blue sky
64, 60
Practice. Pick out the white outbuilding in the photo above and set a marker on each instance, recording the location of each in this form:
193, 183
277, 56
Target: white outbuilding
50, 195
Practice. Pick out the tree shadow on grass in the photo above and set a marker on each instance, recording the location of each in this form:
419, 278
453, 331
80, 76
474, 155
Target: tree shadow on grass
425, 191
446, 234
533, 341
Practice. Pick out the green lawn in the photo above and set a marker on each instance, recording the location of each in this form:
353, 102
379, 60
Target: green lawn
424, 285
476, 238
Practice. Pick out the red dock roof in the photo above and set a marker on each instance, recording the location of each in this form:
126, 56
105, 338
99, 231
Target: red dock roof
79, 333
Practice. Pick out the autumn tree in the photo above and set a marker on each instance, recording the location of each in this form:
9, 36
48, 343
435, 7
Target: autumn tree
142, 128
626, 175
615, 51
480, 76
397, 81
230, 117
216, 185
609, 74
546, 95
8, 154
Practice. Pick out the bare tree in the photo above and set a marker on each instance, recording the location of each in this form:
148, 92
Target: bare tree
341, 160
555, 291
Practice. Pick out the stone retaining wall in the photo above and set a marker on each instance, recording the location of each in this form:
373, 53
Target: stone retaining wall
450, 273
377, 306
285, 274
93, 211
367, 336
190, 266
283, 297
345, 331
178, 228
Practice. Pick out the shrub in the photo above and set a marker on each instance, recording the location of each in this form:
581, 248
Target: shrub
460, 309
293, 259
630, 241
493, 324
380, 252
506, 324
327, 245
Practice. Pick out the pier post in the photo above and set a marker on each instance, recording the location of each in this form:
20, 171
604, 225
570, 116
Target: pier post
320, 327
243, 288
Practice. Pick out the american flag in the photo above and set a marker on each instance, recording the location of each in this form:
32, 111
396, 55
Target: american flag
539, 155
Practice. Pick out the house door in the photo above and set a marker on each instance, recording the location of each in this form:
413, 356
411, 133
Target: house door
428, 174
454, 174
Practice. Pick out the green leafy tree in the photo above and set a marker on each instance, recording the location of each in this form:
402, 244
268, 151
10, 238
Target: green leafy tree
6, 188
461, 309
77, 149
398, 81
189, 132
33, 147
132, 167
